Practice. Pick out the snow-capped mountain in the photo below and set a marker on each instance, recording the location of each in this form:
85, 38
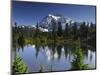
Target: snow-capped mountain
47, 21
52, 20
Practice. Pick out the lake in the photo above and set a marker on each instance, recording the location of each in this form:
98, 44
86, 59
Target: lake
53, 57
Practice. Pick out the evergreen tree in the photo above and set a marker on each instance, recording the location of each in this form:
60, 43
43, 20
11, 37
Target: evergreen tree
66, 31
59, 31
75, 31
15, 24
78, 61
82, 30
53, 29
36, 31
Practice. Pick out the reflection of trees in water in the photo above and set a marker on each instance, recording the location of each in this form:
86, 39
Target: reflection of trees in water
91, 57
53, 50
87, 51
37, 47
69, 51
20, 48
59, 48
56, 51
66, 50
21, 42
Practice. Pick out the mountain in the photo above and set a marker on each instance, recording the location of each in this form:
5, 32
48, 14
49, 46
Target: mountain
52, 20
47, 21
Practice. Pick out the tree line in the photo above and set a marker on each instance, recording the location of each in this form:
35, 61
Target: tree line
85, 31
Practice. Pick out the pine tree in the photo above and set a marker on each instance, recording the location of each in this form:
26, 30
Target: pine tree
36, 31
60, 31
66, 31
53, 29
82, 30
75, 31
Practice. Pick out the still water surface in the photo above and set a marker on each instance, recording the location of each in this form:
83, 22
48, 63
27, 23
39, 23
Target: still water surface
52, 58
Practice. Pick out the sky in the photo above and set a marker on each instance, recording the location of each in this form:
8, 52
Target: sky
29, 13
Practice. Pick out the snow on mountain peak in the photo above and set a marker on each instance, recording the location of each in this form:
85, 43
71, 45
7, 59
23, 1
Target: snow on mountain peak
55, 17
46, 22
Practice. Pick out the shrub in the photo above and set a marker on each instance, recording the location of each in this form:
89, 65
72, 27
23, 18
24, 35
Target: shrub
19, 66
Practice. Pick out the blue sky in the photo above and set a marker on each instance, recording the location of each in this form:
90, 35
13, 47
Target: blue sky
29, 13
